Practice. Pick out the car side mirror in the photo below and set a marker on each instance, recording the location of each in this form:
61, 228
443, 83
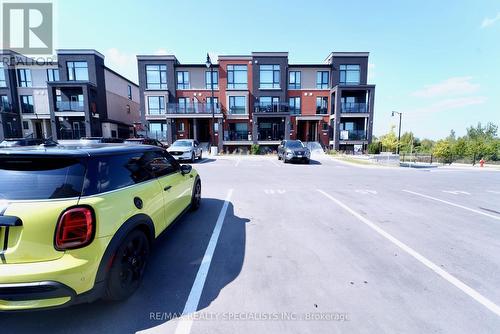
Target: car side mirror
186, 169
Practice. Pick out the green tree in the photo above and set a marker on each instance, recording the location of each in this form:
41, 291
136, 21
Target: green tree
426, 146
443, 150
389, 141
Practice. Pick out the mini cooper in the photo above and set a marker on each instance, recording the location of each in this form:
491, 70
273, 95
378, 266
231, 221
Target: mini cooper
77, 223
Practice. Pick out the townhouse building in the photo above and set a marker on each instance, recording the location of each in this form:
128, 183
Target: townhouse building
74, 96
258, 99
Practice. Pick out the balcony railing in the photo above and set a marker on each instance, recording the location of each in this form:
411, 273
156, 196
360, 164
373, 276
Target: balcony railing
69, 106
233, 135
181, 108
275, 107
321, 110
354, 107
352, 134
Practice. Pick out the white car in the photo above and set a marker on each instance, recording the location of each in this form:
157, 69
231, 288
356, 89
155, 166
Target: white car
186, 149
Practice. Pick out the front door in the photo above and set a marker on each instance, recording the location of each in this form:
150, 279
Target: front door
38, 130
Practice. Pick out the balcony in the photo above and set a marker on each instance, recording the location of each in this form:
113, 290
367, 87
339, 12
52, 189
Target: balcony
352, 135
192, 108
354, 107
233, 135
69, 106
270, 108
321, 111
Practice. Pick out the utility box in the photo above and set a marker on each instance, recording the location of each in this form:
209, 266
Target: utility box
214, 150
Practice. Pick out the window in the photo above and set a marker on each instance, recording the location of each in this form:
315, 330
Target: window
183, 103
237, 105
3, 82
295, 105
209, 101
27, 104
119, 171
237, 76
157, 128
156, 105
237, 131
24, 77
325, 126
269, 76
180, 127
321, 105
26, 125
182, 80
129, 92
77, 71
294, 80
156, 76
52, 74
215, 75
4, 103
349, 74
269, 103
322, 79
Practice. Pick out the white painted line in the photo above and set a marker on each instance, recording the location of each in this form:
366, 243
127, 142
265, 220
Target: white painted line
494, 192
274, 162
237, 162
426, 262
453, 204
456, 192
184, 325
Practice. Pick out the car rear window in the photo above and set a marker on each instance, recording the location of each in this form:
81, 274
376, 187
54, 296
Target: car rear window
40, 178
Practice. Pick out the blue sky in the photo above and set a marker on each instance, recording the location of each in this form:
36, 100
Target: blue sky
438, 62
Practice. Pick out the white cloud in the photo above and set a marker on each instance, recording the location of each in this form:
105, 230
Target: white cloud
121, 62
455, 86
490, 21
451, 103
161, 51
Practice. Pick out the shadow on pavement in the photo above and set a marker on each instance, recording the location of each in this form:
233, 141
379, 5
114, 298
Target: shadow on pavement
171, 271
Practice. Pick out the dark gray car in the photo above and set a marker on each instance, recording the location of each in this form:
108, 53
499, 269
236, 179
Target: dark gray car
293, 150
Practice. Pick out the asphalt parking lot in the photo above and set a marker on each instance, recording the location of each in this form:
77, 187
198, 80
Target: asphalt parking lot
320, 248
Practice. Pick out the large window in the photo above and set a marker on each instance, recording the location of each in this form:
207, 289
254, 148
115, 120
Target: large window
295, 105
52, 74
156, 105
237, 105
183, 80
24, 77
215, 75
322, 78
238, 131
183, 103
156, 76
78, 71
237, 76
322, 105
269, 103
294, 80
4, 103
27, 104
3, 82
349, 74
269, 76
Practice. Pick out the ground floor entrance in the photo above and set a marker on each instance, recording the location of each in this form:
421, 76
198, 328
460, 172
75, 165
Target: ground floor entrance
271, 128
70, 128
308, 130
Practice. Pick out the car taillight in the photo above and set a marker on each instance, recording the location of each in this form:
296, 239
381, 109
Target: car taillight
75, 228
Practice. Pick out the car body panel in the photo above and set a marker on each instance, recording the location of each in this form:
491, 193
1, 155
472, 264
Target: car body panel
186, 152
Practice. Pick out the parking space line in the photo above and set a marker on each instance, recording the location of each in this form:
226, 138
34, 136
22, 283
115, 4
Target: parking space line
237, 162
275, 163
184, 325
453, 204
426, 262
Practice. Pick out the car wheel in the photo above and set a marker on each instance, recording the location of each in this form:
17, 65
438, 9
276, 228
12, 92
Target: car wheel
201, 155
307, 161
129, 264
193, 157
196, 197
279, 157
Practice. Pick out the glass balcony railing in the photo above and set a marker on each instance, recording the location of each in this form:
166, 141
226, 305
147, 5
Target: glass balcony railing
192, 108
274, 107
354, 107
69, 106
352, 134
233, 135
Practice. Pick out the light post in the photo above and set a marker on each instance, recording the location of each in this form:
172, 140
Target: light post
399, 129
209, 66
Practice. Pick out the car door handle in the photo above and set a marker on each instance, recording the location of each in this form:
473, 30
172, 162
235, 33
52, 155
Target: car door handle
167, 188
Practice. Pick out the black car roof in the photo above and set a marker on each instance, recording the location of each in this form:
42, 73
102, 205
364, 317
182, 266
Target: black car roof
76, 150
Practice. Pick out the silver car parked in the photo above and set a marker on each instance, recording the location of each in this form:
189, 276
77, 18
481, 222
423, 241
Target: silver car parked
186, 149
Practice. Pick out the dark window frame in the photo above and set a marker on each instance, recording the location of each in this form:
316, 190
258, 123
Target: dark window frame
322, 105
51, 74
295, 110
129, 92
343, 74
71, 67
275, 73
3, 77
231, 105
231, 70
161, 101
29, 104
24, 77
207, 79
184, 83
297, 84
322, 79
162, 75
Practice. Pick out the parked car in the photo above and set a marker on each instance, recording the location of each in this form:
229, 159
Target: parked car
101, 140
146, 141
78, 223
293, 150
186, 149
17, 142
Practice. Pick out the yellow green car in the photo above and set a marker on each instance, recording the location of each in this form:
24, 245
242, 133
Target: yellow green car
77, 223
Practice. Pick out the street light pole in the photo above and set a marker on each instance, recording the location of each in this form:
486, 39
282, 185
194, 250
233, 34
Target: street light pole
209, 66
399, 129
